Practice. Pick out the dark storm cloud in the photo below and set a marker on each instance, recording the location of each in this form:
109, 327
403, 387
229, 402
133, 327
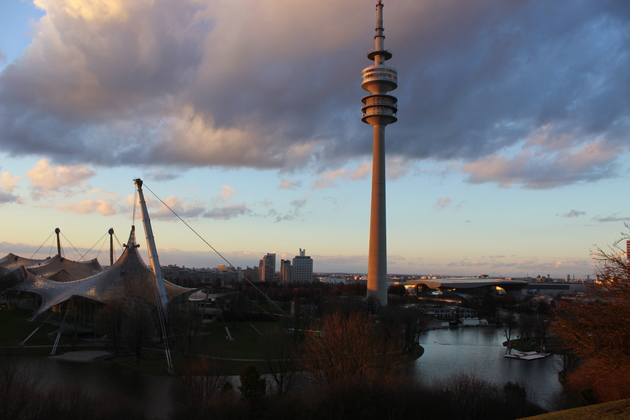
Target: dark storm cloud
532, 92
548, 79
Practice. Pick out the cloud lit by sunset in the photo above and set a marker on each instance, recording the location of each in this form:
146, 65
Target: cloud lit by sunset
245, 116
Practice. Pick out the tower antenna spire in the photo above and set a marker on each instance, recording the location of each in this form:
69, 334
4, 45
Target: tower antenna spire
379, 110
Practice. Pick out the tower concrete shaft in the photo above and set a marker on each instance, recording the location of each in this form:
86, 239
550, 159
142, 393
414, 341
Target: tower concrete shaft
379, 110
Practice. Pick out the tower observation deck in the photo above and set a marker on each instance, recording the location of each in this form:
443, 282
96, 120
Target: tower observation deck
379, 110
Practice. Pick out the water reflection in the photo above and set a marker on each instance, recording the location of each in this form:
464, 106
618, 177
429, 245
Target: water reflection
479, 351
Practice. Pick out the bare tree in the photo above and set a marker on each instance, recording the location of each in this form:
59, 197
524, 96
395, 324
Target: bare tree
110, 323
281, 368
403, 324
351, 348
508, 330
526, 326
185, 329
139, 329
474, 398
596, 329
202, 382
18, 385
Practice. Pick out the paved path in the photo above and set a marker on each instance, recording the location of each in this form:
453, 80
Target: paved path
83, 356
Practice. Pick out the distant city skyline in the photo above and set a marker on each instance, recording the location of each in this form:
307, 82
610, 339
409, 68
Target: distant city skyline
510, 157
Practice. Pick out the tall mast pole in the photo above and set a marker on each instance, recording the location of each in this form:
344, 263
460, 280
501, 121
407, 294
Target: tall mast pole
157, 270
379, 110
57, 231
153, 256
111, 246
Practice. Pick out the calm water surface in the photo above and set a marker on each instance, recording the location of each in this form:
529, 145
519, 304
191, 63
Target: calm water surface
480, 351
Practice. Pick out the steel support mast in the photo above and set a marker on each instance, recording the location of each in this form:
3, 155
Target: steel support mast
153, 255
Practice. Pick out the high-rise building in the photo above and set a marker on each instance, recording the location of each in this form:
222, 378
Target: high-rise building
286, 272
302, 270
251, 273
379, 110
267, 268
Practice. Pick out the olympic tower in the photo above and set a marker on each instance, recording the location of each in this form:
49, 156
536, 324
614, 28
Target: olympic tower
379, 109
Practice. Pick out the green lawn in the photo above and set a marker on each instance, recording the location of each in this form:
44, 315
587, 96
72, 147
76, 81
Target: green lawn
253, 343
15, 327
250, 340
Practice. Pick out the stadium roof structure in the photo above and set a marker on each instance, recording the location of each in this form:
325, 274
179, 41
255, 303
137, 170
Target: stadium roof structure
129, 282
471, 283
61, 269
56, 268
10, 275
11, 262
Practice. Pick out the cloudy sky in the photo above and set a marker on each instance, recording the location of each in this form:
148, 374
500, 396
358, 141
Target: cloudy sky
510, 156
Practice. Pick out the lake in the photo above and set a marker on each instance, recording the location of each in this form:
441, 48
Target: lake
479, 351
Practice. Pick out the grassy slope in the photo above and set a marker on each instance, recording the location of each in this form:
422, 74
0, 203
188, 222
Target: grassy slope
615, 410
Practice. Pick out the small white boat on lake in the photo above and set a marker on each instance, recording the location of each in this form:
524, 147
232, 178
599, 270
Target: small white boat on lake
528, 355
